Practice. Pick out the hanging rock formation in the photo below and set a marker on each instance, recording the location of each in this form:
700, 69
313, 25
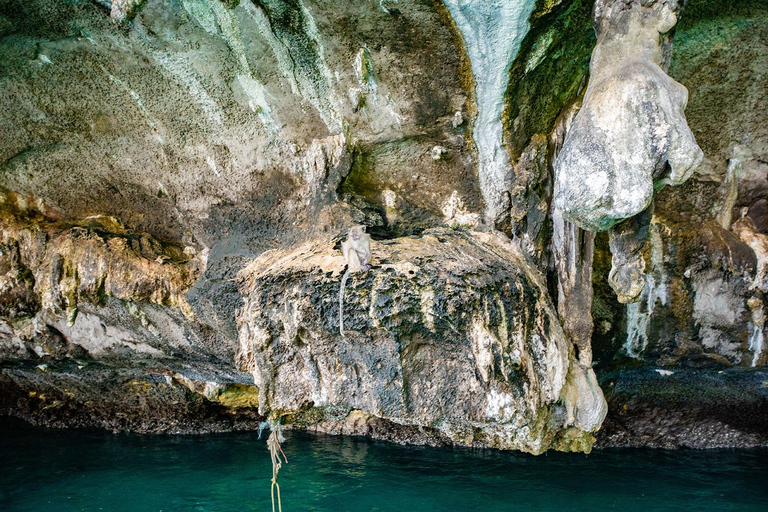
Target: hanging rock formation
630, 134
492, 31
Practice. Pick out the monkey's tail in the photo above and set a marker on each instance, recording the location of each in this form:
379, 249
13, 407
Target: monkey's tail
341, 302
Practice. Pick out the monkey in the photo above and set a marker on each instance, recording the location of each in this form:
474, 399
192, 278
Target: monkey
357, 252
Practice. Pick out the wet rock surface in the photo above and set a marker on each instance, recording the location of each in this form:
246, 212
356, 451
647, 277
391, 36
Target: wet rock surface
157, 397
685, 408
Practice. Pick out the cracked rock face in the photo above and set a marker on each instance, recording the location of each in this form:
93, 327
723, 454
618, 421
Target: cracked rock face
452, 330
631, 135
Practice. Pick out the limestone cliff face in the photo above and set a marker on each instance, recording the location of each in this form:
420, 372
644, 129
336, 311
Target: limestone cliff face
228, 130
176, 175
704, 280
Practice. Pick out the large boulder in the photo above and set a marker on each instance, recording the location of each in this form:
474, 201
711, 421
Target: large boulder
452, 330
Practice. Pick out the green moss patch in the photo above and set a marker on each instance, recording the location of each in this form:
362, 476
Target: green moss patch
549, 71
238, 396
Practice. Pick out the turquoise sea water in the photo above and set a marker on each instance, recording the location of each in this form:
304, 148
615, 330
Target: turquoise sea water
45, 470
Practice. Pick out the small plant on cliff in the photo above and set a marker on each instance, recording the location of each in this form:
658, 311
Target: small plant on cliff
275, 450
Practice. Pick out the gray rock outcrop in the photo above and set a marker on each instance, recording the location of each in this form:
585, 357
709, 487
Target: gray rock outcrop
151, 150
453, 331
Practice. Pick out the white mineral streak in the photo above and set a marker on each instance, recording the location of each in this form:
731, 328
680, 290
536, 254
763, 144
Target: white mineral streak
427, 300
455, 212
637, 329
283, 56
392, 112
758, 242
257, 100
98, 338
492, 32
122, 9
212, 164
382, 5
181, 70
539, 51
732, 178
327, 105
202, 14
500, 406
316, 86
10, 343
482, 342
757, 326
656, 290
365, 94
151, 120
389, 198
319, 159
230, 32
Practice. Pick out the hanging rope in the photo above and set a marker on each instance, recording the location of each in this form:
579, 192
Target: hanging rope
275, 450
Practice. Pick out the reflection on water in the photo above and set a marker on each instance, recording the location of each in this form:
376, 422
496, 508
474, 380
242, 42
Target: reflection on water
44, 470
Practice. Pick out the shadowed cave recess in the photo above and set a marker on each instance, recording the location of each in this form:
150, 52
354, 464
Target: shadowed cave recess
568, 201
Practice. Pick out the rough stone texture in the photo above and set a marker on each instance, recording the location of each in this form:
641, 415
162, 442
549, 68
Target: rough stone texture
531, 196
573, 251
228, 129
693, 309
630, 134
627, 241
452, 330
705, 297
124, 9
157, 156
150, 399
96, 289
686, 409
549, 72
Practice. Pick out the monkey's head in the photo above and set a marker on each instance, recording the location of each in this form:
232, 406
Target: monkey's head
356, 232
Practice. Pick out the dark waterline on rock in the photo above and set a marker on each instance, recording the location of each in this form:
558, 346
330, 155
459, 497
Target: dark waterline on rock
45, 470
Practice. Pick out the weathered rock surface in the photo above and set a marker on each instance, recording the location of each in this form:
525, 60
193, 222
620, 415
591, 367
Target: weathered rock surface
95, 289
229, 126
686, 409
704, 295
452, 331
151, 398
630, 134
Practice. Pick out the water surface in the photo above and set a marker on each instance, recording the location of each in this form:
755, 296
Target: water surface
46, 470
